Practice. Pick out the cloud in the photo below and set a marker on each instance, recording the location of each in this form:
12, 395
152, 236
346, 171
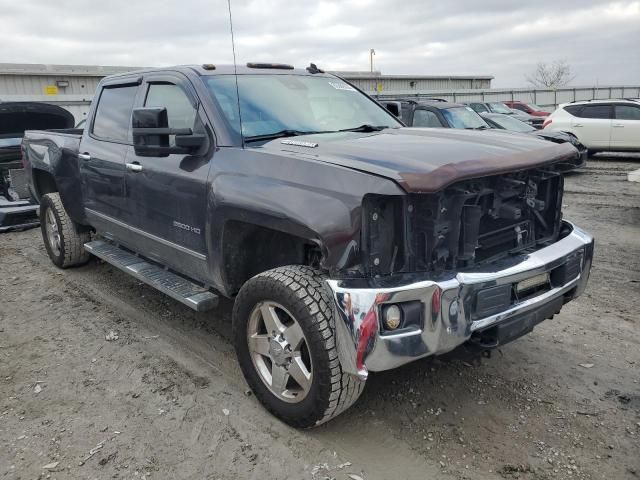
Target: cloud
494, 37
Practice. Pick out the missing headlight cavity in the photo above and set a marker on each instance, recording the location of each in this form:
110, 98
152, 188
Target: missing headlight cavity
466, 224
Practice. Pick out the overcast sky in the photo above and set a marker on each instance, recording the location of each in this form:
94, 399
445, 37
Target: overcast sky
600, 39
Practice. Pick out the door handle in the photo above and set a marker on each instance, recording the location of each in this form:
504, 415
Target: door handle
84, 156
618, 125
577, 125
134, 167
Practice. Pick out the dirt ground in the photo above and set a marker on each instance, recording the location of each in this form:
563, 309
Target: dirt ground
166, 399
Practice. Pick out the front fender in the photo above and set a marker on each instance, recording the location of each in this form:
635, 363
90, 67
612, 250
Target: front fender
308, 199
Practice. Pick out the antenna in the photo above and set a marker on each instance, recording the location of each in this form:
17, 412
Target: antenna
235, 71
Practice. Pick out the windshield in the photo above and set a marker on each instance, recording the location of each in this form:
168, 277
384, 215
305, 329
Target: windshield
270, 104
464, 117
512, 124
499, 107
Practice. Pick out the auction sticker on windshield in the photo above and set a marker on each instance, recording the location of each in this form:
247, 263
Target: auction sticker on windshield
342, 86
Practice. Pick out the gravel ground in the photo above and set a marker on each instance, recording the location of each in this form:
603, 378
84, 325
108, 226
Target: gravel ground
164, 397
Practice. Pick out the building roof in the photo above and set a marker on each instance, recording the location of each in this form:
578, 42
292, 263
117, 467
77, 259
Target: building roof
58, 70
104, 70
379, 76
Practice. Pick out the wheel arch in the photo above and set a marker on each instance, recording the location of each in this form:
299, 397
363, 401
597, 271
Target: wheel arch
249, 249
43, 182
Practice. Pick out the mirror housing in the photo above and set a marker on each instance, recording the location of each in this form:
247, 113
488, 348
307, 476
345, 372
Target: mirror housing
393, 108
150, 130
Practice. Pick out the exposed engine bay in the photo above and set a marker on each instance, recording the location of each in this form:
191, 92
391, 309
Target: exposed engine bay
468, 223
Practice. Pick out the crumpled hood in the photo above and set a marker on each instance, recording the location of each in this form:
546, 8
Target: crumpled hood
423, 159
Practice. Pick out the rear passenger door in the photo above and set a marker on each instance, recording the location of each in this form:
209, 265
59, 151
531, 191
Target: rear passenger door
625, 131
166, 196
592, 125
102, 153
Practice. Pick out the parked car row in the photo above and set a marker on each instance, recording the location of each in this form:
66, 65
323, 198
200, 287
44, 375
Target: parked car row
591, 125
442, 114
501, 108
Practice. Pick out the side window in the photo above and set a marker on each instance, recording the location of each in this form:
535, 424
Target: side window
426, 118
627, 112
596, 111
180, 112
574, 109
478, 107
113, 115
519, 106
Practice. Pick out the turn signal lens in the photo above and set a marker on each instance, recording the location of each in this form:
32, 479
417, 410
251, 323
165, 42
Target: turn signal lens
392, 317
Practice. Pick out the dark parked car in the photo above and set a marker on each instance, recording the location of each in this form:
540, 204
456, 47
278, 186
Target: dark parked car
350, 243
506, 122
499, 107
17, 208
436, 114
527, 107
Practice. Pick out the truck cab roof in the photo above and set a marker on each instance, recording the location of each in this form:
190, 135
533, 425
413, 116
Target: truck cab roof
228, 69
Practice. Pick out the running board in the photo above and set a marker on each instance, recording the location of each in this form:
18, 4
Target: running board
177, 287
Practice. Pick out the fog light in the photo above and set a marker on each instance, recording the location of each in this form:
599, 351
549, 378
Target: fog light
392, 317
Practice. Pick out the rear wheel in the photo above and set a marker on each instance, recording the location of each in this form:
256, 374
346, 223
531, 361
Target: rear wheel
63, 238
283, 332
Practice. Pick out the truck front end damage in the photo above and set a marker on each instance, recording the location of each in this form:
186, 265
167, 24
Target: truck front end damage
480, 262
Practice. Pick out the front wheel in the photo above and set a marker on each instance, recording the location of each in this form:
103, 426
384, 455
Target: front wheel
284, 339
63, 238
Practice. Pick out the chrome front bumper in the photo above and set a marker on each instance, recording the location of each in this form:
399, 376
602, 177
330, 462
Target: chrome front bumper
448, 304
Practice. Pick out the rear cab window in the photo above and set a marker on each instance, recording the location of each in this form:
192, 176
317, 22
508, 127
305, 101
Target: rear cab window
112, 120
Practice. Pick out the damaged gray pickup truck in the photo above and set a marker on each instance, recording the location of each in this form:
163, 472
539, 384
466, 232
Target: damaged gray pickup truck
350, 243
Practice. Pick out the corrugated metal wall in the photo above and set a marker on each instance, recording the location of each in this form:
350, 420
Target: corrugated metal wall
37, 84
418, 85
544, 98
76, 97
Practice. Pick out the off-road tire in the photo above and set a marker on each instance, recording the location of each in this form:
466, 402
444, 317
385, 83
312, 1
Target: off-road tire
72, 236
302, 291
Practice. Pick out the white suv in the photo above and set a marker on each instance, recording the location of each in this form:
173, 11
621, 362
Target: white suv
600, 125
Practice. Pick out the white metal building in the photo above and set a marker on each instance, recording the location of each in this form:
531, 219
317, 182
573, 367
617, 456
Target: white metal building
73, 86
377, 83
70, 86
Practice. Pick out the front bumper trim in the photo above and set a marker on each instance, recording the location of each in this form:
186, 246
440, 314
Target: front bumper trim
357, 304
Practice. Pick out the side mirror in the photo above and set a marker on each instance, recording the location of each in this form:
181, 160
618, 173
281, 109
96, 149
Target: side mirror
150, 129
393, 107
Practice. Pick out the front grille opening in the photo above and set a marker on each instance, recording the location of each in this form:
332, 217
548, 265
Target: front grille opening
469, 223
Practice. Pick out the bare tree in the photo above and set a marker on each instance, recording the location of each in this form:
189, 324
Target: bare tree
551, 75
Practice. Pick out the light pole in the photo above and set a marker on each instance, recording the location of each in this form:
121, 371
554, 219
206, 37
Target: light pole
372, 52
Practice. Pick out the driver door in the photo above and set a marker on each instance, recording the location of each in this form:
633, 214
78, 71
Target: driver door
166, 196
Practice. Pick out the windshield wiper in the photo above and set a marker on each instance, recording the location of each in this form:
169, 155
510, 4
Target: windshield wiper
365, 128
280, 134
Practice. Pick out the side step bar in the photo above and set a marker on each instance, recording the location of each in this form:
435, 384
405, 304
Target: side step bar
178, 288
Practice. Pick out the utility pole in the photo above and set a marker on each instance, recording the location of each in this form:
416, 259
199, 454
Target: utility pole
372, 52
